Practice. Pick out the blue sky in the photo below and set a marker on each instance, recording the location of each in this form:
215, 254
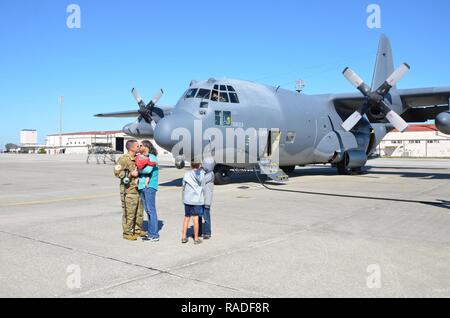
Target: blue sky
166, 43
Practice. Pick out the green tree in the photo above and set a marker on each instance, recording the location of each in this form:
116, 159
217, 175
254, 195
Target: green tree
10, 147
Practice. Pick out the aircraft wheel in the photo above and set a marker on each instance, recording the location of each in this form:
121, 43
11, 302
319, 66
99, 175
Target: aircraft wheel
288, 169
342, 168
356, 171
221, 175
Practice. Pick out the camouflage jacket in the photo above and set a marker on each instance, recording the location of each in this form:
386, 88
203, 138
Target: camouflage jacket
126, 163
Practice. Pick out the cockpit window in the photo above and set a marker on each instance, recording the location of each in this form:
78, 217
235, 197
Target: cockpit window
226, 94
191, 93
215, 96
203, 93
234, 98
224, 97
220, 93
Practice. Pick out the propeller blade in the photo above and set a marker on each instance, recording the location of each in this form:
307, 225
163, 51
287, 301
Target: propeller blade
398, 74
399, 123
157, 97
138, 98
392, 80
146, 111
352, 121
356, 81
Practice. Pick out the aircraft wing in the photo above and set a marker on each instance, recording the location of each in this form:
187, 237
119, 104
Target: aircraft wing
425, 103
420, 105
126, 114
348, 102
423, 97
131, 114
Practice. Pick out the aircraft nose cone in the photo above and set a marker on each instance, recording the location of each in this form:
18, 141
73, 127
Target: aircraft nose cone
168, 125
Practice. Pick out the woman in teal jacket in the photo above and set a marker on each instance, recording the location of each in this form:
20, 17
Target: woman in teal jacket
148, 193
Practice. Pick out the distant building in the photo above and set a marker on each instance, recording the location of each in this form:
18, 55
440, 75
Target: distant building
28, 138
81, 142
419, 141
29, 141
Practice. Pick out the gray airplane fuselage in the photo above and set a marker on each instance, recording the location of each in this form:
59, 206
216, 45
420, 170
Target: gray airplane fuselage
311, 121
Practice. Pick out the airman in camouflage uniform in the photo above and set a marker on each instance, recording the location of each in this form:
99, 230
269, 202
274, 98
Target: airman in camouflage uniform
133, 211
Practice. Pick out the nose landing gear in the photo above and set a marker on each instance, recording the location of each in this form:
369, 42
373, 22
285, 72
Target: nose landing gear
180, 163
222, 175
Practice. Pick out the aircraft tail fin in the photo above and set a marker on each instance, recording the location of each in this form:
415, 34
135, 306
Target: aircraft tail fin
384, 65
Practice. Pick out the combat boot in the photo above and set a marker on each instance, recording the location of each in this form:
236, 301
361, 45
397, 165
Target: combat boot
130, 237
139, 233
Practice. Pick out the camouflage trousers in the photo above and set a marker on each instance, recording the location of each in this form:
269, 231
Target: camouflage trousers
133, 213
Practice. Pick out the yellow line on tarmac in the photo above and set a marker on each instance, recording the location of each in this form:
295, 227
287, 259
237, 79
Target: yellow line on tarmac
39, 202
66, 199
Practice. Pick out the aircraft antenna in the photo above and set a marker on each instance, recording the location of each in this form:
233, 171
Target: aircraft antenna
300, 85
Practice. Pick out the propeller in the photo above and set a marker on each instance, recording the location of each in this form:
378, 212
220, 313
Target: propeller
376, 100
146, 110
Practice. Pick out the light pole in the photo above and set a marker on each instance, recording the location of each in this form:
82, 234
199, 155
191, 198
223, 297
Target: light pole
61, 102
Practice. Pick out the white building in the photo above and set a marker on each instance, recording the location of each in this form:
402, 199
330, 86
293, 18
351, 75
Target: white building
419, 141
28, 137
81, 142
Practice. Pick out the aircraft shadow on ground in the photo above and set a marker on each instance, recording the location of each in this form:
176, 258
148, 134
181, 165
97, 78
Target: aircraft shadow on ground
372, 171
404, 168
250, 177
415, 175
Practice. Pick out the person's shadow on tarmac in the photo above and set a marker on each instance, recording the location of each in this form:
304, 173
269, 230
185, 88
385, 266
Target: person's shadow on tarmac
160, 225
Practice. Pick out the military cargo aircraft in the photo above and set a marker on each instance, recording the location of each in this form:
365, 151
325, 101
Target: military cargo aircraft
338, 129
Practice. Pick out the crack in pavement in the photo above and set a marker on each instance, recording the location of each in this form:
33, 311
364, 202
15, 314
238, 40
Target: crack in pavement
158, 271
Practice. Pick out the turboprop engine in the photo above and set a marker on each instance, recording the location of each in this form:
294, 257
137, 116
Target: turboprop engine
443, 123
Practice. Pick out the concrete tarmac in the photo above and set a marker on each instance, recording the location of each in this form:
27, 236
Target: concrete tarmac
382, 234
